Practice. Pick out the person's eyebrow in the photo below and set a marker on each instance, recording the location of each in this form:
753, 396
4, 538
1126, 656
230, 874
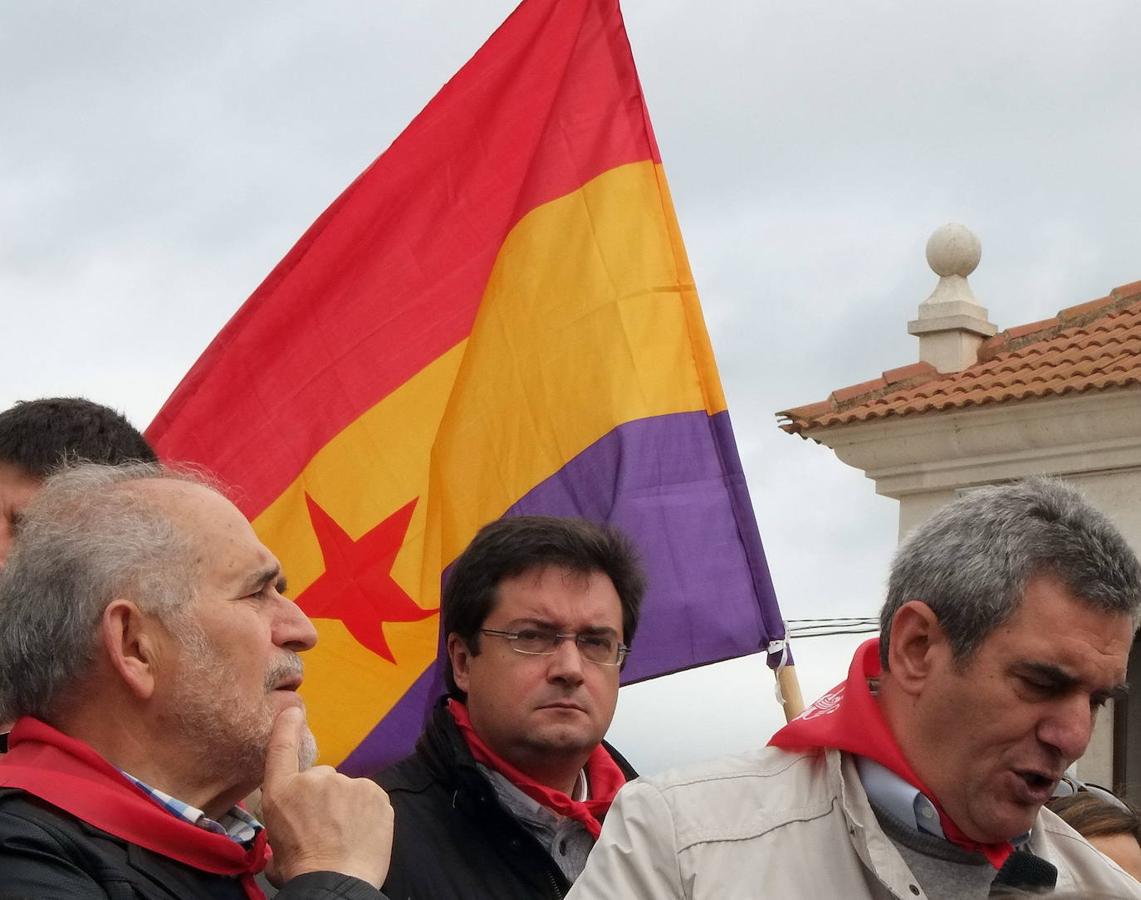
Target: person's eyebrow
1050, 675
260, 578
547, 625
1059, 679
1118, 692
516, 624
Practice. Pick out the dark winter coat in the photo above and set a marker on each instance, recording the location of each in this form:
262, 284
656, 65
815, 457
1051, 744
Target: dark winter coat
48, 854
453, 837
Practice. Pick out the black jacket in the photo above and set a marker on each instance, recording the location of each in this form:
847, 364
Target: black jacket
453, 837
48, 854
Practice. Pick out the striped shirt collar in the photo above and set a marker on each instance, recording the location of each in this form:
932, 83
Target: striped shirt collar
237, 824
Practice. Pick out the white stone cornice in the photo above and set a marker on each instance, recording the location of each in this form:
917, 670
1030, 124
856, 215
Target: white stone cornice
945, 450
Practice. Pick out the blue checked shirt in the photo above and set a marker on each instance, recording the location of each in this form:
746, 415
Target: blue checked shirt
237, 824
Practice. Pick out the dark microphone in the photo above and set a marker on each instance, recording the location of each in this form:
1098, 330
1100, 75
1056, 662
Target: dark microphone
1024, 871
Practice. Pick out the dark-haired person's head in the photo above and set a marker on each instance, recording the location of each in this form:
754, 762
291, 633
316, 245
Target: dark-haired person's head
1111, 825
39, 436
539, 613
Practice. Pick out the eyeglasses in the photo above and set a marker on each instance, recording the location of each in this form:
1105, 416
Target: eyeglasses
1067, 786
597, 648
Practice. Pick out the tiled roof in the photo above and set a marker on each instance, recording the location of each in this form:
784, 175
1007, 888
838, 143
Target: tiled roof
1091, 346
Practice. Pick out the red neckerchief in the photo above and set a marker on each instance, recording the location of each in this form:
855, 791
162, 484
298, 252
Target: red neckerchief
602, 772
70, 775
848, 718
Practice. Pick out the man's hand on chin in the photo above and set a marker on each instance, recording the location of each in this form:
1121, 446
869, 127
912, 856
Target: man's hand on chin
319, 820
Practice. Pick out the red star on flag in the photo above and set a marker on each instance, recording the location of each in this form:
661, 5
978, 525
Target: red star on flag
357, 586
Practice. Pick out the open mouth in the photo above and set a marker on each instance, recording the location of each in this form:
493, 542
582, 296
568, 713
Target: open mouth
1039, 784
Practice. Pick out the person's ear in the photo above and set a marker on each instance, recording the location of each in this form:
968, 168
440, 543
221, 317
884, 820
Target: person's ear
460, 657
131, 640
918, 644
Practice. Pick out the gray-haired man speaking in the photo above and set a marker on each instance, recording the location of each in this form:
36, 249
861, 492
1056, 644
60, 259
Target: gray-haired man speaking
1008, 623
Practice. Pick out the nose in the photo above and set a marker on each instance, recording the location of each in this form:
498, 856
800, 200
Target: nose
566, 663
292, 628
1068, 726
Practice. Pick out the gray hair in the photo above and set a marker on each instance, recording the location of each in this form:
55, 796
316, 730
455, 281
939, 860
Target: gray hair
971, 561
88, 538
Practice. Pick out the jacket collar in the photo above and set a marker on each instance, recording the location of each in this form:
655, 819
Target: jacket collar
447, 754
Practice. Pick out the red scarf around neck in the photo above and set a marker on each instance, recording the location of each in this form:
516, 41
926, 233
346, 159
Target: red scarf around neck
848, 718
71, 776
602, 773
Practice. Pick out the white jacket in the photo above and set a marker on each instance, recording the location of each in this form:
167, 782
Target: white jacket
784, 825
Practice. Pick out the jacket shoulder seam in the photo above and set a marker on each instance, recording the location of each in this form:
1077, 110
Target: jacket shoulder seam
682, 780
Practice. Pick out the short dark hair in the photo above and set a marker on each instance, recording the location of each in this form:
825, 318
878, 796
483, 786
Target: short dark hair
1091, 816
972, 561
513, 545
39, 436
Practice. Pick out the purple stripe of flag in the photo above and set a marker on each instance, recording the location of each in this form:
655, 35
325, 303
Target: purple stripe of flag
671, 484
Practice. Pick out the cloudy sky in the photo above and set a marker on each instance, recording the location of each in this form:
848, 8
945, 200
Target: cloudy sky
156, 161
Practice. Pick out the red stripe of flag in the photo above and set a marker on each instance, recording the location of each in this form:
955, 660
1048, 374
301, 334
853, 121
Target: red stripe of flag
401, 258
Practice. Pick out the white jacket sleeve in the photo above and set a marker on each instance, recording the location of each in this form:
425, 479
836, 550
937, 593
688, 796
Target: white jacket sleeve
636, 856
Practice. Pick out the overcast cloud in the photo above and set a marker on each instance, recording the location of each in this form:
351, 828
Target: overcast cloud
156, 161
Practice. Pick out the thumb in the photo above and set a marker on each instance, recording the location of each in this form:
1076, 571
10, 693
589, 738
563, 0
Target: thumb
271, 871
281, 759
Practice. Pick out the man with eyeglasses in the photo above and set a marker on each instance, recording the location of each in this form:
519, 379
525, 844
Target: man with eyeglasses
506, 791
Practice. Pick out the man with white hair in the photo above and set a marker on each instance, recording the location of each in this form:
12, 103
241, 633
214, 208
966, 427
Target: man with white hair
151, 662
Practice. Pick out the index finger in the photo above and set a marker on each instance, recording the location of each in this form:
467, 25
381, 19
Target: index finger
281, 758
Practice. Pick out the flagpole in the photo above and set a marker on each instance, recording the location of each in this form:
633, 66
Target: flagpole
789, 684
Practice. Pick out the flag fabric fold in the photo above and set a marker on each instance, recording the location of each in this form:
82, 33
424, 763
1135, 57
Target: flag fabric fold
497, 317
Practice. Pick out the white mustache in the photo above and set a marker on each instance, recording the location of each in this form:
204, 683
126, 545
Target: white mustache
288, 669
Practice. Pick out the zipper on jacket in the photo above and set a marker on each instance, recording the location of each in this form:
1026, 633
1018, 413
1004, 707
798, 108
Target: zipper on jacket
555, 885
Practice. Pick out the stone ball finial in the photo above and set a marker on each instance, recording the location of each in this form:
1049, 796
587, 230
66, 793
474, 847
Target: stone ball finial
952, 325
953, 249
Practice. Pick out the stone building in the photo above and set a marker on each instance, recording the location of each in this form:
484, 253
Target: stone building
1060, 397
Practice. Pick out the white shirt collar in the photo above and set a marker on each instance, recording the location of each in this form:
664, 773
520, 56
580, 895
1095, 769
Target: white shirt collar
581, 789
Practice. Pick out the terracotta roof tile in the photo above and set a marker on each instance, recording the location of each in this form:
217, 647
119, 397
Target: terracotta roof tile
812, 410
1127, 290
1090, 346
1030, 328
857, 390
915, 370
1074, 312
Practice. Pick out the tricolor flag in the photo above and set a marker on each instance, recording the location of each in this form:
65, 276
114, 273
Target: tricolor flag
497, 317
